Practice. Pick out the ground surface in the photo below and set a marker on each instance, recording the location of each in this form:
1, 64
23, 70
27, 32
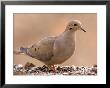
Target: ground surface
31, 69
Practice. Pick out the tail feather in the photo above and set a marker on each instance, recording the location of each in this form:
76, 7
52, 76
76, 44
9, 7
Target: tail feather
17, 52
23, 50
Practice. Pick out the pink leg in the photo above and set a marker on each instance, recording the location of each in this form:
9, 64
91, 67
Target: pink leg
52, 67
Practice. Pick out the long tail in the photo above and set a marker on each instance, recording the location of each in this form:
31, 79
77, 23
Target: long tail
21, 51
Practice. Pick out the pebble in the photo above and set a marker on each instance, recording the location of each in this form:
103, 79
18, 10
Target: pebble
31, 69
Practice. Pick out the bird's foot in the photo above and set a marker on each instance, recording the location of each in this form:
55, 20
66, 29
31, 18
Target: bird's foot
52, 67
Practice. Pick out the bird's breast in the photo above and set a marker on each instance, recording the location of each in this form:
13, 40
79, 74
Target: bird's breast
63, 49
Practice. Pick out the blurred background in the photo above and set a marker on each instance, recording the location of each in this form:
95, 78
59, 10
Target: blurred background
30, 28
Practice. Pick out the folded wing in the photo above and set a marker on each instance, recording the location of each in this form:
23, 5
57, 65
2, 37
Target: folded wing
43, 50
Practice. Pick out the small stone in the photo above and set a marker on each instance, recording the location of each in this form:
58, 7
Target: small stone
29, 65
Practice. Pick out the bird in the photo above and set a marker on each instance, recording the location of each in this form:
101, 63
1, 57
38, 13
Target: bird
54, 50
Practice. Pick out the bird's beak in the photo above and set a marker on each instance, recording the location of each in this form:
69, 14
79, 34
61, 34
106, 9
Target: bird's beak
83, 29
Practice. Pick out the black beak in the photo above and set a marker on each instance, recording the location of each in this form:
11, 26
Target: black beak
83, 29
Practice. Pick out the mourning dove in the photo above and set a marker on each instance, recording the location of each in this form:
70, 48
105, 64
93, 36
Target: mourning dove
55, 50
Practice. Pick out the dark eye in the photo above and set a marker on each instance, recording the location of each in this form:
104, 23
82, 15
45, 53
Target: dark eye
75, 24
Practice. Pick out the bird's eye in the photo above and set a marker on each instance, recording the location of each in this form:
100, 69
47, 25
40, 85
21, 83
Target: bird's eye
75, 24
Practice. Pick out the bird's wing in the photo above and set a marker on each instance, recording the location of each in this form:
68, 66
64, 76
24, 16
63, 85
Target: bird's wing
44, 49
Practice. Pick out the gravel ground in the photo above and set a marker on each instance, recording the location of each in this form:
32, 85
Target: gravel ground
31, 69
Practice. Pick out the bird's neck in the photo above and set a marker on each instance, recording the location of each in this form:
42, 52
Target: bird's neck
69, 33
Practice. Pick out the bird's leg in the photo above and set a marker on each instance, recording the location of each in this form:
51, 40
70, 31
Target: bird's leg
52, 67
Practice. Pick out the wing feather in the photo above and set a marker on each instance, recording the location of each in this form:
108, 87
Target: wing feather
44, 49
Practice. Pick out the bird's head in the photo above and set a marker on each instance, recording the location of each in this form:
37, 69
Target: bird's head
74, 26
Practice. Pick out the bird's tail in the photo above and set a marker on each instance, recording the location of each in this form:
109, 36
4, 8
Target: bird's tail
21, 51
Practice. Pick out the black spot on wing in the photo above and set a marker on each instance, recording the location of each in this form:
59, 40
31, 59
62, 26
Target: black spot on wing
35, 49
